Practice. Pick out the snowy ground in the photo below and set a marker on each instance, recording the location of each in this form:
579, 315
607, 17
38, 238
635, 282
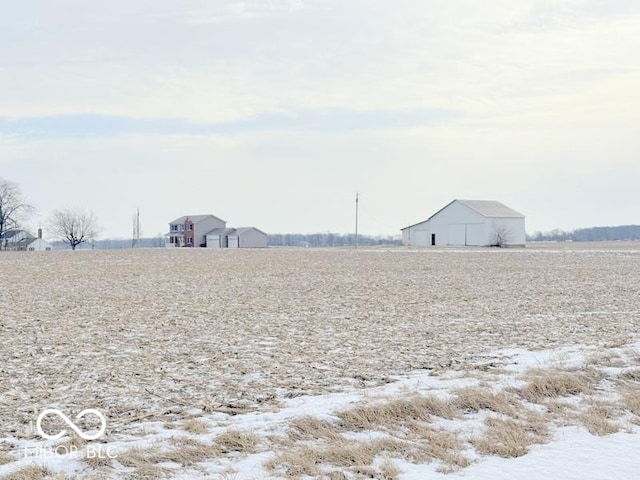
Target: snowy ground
188, 345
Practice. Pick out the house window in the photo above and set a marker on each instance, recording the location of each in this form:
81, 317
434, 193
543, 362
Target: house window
191, 226
189, 241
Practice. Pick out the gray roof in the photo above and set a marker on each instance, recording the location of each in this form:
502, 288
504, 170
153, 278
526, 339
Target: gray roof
194, 219
242, 230
486, 208
8, 235
491, 208
221, 231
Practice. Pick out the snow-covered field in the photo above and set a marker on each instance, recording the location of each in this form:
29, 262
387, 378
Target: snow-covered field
304, 363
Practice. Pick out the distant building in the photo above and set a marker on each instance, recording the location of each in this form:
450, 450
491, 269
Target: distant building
468, 222
247, 237
23, 241
191, 230
219, 237
212, 232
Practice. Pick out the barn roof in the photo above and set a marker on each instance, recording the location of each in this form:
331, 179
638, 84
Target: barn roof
486, 208
491, 208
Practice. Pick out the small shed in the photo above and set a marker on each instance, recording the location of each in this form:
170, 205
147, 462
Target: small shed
468, 223
247, 237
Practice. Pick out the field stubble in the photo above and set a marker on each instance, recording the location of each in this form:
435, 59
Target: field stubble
166, 334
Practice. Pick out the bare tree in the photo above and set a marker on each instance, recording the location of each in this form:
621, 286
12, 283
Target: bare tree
74, 226
13, 207
502, 236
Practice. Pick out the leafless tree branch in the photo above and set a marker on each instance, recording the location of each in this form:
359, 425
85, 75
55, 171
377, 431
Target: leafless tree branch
13, 207
74, 226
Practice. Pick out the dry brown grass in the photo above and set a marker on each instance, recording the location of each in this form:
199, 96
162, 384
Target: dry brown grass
349, 453
5, 458
475, 399
98, 461
246, 312
75, 442
599, 419
144, 461
354, 456
195, 426
415, 441
631, 399
429, 443
237, 441
607, 359
312, 428
388, 471
297, 461
631, 375
188, 451
32, 472
544, 384
506, 438
391, 414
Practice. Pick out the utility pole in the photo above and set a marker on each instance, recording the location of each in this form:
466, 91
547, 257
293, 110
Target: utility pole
357, 198
135, 240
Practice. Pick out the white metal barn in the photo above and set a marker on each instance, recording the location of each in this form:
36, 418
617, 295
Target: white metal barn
468, 222
247, 237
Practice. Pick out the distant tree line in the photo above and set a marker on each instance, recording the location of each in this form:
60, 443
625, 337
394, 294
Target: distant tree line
273, 240
592, 234
328, 240
115, 243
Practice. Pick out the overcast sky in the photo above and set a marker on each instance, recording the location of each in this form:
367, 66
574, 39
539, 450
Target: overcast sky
274, 113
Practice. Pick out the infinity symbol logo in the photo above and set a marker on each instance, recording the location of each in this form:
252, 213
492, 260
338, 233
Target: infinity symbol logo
81, 434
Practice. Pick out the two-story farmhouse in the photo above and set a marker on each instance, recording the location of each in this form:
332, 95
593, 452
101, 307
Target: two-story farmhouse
212, 232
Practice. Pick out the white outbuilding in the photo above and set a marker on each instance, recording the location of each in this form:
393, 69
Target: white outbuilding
39, 245
219, 237
468, 222
247, 237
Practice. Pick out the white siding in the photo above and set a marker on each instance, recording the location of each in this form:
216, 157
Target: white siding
201, 228
39, 245
457, 234
214, 241
248, 238
458, 224
476, 234
454, 214
418, 235
421, 238
512, 229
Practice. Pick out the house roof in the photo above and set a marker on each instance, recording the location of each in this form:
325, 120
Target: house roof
242, 230
36, 240
486, 208
194, 219
221, 231
8, 235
